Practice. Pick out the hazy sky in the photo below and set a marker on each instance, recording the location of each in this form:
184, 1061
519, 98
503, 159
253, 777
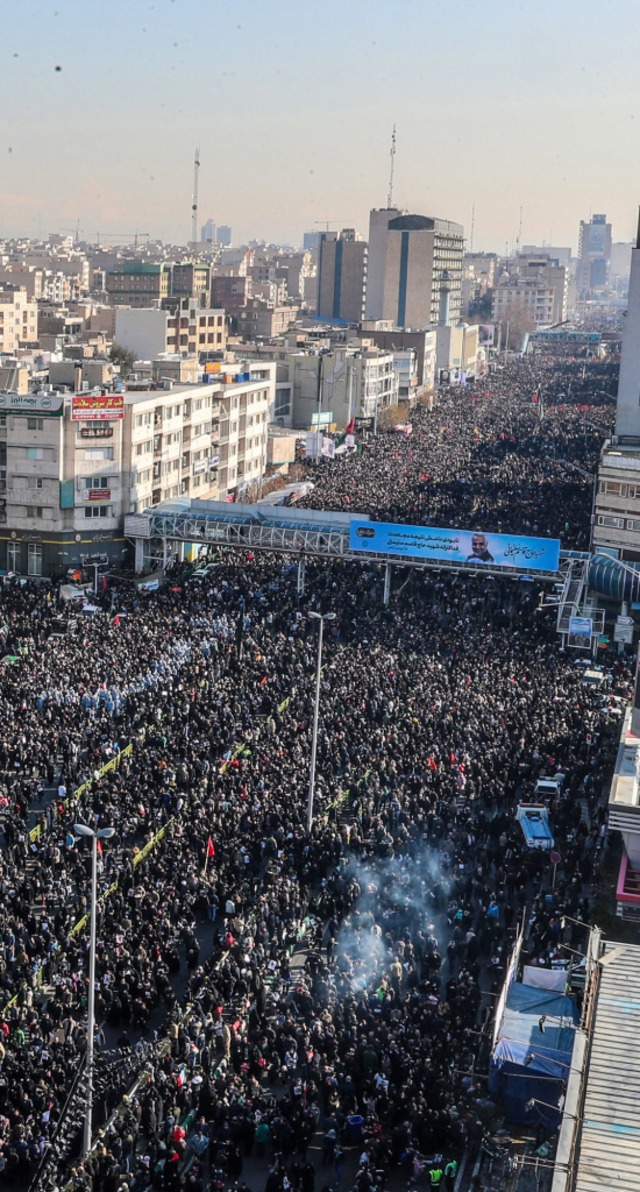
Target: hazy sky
502, 103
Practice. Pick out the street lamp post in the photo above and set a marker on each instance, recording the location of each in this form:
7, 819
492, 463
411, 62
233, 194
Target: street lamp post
316, 711
100, 834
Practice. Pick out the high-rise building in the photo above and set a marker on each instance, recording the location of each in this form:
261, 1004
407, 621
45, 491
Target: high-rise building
310, 241
594, 253
208, 232
628, 399
616, 521
224, 235
378, 226
342, 276
420, 261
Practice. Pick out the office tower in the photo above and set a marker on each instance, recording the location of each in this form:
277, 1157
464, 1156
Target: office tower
342, 275
415, 270
594, 252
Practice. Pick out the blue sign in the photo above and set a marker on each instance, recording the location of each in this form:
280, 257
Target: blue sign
455, 546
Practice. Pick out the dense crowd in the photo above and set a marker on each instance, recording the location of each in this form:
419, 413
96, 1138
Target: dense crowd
357, 1053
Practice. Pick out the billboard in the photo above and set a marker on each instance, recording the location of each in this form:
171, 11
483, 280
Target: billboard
97, 407
581, 627
49, 404
486, 334
455, 546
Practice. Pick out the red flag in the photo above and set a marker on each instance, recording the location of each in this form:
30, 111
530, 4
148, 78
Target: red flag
99, 847
211, 852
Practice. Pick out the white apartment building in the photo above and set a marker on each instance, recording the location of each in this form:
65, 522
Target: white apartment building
536, 285
72, 466
18, 319
186, 329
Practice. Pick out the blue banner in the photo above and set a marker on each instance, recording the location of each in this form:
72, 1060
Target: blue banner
455, 546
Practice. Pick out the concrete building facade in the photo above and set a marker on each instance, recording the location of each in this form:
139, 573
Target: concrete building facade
342, 276
72, 466
18, 320
537, 285
185, 328
421, 263
353, 381
594, 254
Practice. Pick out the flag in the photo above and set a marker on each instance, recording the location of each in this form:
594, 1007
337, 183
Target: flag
211, 850
99, 848
348, 430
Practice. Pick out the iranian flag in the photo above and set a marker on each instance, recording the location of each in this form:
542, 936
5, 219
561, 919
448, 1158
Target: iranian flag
348, 430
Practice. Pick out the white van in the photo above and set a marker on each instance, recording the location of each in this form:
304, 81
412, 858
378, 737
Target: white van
548, 790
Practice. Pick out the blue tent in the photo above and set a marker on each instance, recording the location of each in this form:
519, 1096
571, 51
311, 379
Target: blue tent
531, 1059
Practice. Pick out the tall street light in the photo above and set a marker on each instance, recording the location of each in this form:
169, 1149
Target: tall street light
100, 834
316, 711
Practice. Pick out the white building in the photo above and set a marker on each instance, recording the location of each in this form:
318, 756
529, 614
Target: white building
617, 500
72, 466
536, 286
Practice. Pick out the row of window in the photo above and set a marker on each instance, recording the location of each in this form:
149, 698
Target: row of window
616, 488
34, 557
619, 523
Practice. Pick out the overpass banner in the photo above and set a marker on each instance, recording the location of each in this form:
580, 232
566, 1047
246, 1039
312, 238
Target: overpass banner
455, 546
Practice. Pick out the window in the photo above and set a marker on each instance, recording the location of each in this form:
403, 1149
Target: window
35, 511
34, 453
633, 523
96, 453
95, 482
35, 423
35, 559
14, 551
616, 523
614, 488
98, 511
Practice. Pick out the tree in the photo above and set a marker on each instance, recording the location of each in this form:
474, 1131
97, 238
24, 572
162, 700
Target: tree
516, 322
122, 358
392, 416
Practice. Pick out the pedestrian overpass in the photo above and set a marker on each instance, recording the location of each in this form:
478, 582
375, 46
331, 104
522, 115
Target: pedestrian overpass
160, 534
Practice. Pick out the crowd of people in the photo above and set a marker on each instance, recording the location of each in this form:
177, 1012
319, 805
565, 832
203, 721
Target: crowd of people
300, 1010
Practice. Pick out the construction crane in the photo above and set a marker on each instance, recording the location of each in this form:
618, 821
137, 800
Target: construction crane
194, 204
76, 232
123, 237
325, 223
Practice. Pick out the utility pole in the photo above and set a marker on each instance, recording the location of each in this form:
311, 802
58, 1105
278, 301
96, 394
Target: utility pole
194, 204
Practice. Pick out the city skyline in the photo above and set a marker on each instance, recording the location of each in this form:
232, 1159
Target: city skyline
293, 112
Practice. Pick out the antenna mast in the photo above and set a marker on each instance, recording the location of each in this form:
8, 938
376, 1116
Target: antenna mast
393, 158
473, 225
194, 204
519, 240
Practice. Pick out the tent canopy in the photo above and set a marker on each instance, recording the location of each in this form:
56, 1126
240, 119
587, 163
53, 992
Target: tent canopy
530, 1064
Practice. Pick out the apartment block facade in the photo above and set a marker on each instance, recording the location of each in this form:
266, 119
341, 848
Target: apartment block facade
72, 466
18, 320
